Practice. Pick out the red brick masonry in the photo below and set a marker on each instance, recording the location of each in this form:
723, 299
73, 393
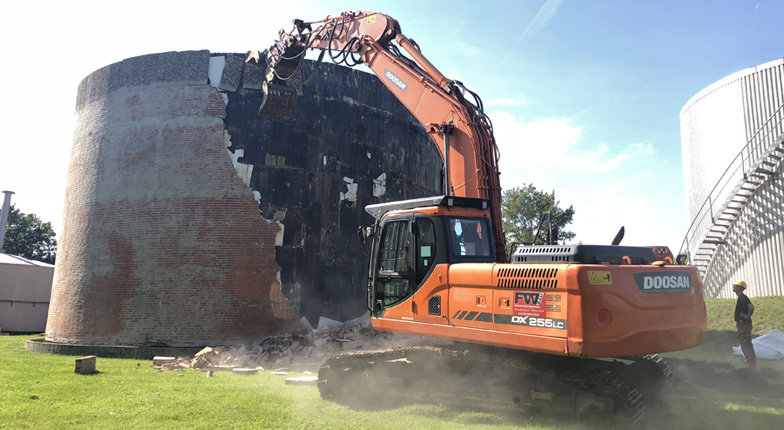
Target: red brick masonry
162, 242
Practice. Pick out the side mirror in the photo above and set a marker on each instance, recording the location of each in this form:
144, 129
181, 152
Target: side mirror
364, 232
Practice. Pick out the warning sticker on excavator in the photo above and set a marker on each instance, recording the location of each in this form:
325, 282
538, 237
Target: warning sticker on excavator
371, 19
599, 277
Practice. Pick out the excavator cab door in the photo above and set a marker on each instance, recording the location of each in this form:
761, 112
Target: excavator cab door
392, 277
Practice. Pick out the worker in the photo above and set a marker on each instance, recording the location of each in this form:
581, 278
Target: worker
743, 311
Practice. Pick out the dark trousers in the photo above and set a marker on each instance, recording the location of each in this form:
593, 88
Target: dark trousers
744, 337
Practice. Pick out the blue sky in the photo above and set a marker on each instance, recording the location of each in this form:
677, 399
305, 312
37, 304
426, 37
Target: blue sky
584, 95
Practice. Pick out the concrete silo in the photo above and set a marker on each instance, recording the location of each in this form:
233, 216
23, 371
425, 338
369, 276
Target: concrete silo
190, 220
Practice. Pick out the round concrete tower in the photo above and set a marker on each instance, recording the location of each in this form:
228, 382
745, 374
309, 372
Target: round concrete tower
190, 220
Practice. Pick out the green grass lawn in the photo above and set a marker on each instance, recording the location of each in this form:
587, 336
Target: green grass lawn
768, 314
710, 389
42, 391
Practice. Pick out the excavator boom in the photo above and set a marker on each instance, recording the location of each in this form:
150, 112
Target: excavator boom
458, 127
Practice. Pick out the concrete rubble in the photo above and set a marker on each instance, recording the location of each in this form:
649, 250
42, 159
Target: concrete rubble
302, 380
303, 349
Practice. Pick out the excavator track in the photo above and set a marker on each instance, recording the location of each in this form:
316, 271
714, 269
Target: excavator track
650, 373
484, 378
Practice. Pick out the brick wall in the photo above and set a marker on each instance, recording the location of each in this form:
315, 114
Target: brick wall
162, 242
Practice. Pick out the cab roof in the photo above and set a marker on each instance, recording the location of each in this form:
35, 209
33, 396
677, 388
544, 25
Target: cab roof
378, 210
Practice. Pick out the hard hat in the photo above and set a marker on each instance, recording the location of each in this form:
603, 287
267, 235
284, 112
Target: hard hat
741, 284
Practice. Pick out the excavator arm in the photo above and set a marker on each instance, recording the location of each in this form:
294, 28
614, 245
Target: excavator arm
458, 127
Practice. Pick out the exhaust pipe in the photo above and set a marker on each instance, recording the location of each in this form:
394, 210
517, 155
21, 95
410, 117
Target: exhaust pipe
4, 216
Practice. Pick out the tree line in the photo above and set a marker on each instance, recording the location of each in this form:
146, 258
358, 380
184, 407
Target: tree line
28, 237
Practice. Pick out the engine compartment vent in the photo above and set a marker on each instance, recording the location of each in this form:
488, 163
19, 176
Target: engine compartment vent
434, 306
528, 277
585, 254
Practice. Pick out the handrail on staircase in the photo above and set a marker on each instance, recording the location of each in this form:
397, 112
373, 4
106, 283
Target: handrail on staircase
709, 201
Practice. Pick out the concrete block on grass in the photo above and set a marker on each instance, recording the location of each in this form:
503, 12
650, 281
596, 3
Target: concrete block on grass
85, 365
159, 361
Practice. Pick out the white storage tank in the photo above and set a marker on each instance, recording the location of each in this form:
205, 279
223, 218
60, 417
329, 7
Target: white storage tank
731, 141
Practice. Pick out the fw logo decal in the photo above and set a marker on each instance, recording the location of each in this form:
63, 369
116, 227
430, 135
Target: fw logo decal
529, 304
531, 299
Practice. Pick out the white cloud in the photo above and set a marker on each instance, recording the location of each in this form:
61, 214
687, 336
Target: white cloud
602, 161
554, 142
608, 187
558, 133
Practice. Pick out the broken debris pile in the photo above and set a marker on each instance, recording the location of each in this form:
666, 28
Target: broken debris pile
304, 349
311, 347
217, 358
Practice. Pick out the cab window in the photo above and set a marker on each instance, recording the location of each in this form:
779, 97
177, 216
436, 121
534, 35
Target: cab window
425, 247
393, 279
394, 247
468, 237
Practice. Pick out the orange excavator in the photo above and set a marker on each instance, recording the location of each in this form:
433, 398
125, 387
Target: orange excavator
559, 323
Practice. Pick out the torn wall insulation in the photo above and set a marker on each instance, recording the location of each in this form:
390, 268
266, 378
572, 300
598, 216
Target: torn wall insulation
349, 143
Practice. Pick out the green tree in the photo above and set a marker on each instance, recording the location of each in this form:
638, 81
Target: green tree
524, 207
29, 237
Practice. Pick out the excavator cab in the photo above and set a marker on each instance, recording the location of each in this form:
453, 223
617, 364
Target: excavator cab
411, 237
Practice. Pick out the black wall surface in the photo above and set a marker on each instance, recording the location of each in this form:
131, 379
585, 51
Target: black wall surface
347, 126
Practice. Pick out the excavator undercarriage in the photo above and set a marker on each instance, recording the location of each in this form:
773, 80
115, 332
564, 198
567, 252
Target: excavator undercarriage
494, 379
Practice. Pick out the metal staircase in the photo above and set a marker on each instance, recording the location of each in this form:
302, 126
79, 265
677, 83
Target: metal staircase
759, 159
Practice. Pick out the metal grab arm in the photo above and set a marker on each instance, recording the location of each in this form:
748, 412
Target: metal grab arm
471, 155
